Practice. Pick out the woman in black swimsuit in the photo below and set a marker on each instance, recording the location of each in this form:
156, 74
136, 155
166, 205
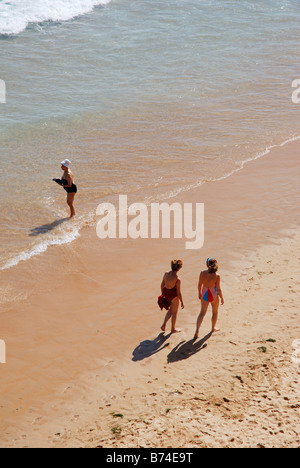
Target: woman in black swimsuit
67, 181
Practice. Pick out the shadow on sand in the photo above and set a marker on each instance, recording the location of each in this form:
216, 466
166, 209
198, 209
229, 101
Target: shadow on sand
186, 349
40, 230
149, 347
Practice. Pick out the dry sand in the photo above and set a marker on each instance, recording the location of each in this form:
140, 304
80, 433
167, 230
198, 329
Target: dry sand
87, 366
238, 388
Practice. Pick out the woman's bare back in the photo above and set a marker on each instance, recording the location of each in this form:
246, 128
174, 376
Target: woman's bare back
209, 280
170, 279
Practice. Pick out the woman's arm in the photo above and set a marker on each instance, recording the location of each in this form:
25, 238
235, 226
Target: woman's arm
200, 286
163, 284
178, 286
218, 285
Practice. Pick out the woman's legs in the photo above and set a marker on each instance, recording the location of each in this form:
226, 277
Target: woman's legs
204, 307
172, 314
70, 201
174, 311
215, 311
167, 318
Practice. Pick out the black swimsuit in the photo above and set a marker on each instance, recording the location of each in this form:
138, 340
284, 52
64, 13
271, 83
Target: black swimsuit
72, 189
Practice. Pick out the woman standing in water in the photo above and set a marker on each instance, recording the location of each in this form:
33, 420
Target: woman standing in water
209, 293
171, 290
67, 182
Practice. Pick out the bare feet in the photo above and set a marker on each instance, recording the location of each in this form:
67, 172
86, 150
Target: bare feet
176, 330
163, 328
216, 330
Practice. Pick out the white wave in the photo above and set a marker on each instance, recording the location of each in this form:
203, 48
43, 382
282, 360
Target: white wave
290, 140
240, 167
16, 15
41, 248
64, 234
256, 156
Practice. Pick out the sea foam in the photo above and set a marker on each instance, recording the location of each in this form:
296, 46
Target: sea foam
16, 15
41, 248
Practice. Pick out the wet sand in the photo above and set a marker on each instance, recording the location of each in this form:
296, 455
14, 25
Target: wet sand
81, 327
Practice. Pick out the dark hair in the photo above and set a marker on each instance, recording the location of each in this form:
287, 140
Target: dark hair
212, 265
176, 265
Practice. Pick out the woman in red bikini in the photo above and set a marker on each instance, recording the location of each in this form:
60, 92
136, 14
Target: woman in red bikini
171, 290
209, 293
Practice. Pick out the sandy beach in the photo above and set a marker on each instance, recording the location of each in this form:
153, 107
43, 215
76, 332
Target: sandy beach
239, 388
87, 365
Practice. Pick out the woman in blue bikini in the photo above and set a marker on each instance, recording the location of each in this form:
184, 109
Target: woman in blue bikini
209, 293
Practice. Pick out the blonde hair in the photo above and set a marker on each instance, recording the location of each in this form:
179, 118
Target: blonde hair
176, 265
212, 265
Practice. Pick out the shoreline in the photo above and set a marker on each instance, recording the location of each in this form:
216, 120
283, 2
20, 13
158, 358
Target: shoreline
104, 302
69, 237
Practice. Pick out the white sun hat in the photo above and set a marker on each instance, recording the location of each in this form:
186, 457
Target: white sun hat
66, 163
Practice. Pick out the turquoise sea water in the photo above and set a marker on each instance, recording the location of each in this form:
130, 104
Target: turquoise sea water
145, 97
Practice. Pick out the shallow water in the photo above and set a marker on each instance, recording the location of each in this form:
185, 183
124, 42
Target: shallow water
146, 98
